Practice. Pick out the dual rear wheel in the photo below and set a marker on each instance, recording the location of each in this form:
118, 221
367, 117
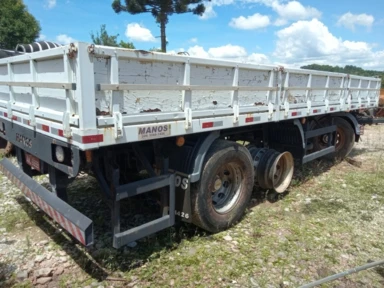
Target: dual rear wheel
230, 172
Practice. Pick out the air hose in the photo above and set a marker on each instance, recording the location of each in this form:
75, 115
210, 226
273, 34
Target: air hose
343, 274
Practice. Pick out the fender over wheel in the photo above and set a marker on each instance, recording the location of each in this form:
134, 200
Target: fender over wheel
220, 197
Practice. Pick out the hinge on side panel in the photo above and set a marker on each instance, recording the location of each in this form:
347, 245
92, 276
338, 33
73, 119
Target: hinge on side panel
270, 110
9, 109
326, 105
349, 101
117, 121
286, 108
188, 118
309, 106
236, 113
66, 125
32, 119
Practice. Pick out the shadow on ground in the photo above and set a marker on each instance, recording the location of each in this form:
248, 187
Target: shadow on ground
6, 269
101, 260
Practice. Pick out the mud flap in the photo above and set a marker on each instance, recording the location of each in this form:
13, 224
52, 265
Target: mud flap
74, 222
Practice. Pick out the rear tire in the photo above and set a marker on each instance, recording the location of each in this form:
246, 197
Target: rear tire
345, 138
222, 194
6, 147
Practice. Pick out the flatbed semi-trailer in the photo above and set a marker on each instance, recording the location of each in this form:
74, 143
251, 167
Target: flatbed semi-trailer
117, 112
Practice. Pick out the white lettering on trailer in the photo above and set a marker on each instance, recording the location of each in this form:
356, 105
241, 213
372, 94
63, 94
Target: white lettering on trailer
154, 131
181, 182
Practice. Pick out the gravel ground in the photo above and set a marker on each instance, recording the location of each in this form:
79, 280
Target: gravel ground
331, 220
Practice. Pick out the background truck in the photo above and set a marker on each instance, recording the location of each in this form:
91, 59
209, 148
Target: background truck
203, 132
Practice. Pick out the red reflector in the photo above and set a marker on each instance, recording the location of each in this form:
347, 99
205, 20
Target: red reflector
61, 133
294, 113
92, 138
45, 128
208, 125
5, 114
315, 111
14, 118
332, 108
248, 119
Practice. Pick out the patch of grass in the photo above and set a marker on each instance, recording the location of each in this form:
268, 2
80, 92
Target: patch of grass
331, 220
25, 284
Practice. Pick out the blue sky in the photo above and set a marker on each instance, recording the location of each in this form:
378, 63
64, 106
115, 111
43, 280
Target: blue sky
278, 32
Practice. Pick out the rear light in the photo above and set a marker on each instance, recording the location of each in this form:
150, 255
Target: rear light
59, 153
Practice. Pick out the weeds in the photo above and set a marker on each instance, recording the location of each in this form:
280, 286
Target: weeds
330, 220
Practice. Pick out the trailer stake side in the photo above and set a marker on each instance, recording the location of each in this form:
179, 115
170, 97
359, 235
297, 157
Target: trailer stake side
201, 134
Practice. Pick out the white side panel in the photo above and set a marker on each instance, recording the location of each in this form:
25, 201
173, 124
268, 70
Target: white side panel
132, 71
297, 80
211, 76
254, 78
334, 95
51, 70
21, 72
4, 90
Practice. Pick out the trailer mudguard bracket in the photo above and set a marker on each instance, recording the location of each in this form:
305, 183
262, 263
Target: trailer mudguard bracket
77, 224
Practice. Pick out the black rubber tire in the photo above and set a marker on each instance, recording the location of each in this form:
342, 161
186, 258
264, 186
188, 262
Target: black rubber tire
6, 147
204, 214
345, 129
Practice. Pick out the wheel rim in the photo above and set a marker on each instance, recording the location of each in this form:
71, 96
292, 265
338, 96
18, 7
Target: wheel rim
282, 172
225, 187
340, 139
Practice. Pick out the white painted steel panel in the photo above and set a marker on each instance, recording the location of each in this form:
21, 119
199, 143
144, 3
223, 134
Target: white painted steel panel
170, 89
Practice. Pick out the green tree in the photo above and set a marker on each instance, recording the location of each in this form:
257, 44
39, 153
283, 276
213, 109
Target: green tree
160, 10
348, 69
17, 25
127, 45
103, 38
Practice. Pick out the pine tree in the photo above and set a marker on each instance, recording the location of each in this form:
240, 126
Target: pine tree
160, 10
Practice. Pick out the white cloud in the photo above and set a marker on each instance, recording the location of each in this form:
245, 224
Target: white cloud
228, 52
42, 37
258, 58
198, 51
64, 39
50, 4
209, 12
306, 42
137, 32
294, 10
193, 40
256, 21
349, 20
288, 11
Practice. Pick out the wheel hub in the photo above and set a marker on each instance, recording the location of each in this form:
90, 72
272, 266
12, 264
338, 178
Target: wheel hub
226, 187
218, 183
